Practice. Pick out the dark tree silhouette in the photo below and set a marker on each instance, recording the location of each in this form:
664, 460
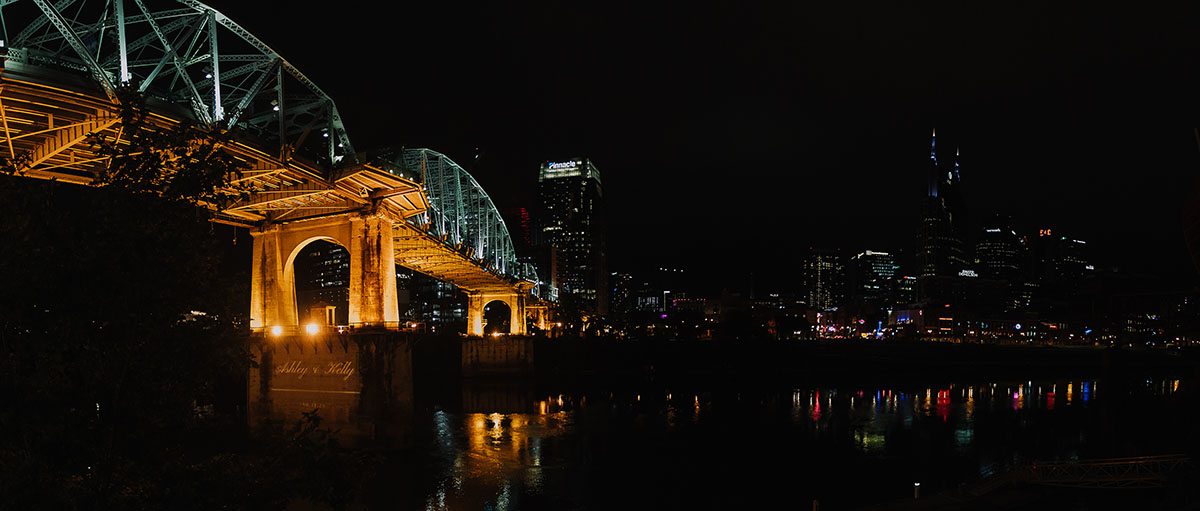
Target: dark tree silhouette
121, 327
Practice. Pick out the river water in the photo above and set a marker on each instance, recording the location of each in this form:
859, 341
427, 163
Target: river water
843, 445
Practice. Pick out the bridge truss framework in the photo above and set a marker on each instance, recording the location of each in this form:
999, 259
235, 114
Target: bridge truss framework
64, 60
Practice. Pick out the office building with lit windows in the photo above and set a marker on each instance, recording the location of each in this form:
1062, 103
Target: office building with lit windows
999, 251
322, 276
824, 279
871, 276
571, 220
1060, 263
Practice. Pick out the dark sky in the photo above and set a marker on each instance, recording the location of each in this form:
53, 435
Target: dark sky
731, 138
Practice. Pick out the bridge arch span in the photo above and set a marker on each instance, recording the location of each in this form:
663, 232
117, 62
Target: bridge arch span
367, 238
498, 315
67, 59
289, 270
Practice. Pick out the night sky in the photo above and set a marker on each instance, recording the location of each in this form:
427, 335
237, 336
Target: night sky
731, 138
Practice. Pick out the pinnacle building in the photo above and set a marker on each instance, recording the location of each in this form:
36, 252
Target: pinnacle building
571, 223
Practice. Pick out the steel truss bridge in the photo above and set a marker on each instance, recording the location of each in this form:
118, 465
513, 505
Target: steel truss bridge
65, 60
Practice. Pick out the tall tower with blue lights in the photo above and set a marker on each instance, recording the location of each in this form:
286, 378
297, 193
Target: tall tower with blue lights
943, 215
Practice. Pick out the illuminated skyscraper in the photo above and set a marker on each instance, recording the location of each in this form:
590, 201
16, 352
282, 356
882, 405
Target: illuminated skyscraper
825, 279
322, 276
871, 276
999, 252
1060, 264
943, 210
572, 221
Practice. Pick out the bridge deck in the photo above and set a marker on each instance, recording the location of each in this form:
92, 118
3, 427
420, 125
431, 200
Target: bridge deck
46, 127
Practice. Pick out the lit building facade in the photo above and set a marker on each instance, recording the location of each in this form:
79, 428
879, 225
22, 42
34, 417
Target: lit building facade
433, 305
1060, 263
572, 221
906, 291
872, 276
825, 279
999, 252
322, 275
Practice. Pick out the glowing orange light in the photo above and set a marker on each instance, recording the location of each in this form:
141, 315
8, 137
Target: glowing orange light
277, 330
312, 328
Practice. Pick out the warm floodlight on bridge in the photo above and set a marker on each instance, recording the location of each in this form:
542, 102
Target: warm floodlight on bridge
277, 330
312, 328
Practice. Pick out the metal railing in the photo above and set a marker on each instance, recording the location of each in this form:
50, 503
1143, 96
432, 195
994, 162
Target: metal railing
1135, 472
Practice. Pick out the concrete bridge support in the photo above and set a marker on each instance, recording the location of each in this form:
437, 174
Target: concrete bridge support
478, 300
540, 314
368, 239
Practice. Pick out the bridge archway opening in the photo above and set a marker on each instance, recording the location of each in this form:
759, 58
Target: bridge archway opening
497, 317
319, 273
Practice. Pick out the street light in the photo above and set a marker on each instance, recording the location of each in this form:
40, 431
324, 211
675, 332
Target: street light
277, 330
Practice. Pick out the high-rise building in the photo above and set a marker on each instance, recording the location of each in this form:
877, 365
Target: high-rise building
871, 277
520, 226
322, 276
1059, 263
622, 297
438, 306
906, 291
999, 252
572, 221
943, 210
824, 279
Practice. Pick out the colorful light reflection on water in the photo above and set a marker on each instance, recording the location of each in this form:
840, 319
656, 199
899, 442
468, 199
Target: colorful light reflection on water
571, 449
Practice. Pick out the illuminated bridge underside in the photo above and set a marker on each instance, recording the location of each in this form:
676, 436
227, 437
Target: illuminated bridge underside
51, 124
462, 214
196, 65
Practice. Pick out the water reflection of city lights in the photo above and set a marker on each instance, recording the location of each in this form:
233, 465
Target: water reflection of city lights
514, 451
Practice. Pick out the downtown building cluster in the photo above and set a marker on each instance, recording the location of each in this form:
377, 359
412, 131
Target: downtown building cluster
963, 279
987, 283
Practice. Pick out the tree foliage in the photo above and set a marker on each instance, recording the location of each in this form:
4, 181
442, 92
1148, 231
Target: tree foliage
186, 162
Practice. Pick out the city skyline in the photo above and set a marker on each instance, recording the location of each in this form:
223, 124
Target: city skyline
464, 257
799, 116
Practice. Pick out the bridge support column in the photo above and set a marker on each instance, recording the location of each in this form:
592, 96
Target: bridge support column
517, 308
272, 295
474, 313
367, 238
373, 299
539, 316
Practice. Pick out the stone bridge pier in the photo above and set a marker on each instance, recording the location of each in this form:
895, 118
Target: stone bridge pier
514, 299
366, 236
